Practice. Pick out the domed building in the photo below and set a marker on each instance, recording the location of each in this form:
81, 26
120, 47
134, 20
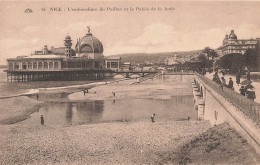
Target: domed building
89, 45
232, 45
63, 63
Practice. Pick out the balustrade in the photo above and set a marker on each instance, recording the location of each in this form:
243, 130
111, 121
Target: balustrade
247, 106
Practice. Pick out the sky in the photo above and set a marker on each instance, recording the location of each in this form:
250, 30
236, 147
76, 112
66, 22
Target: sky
183, 26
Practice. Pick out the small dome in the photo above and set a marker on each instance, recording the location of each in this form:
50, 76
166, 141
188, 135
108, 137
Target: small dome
226, 38
90, 44
67, 37
232, 35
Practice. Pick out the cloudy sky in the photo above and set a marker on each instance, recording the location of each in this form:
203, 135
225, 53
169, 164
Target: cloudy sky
190, 26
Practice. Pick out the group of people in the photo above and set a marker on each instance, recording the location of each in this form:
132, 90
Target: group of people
247, 90
222, 81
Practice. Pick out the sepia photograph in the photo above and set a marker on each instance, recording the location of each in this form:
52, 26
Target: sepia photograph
129, 82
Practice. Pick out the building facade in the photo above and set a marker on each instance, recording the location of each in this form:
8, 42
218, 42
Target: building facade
113, 63
87, 56
233, 45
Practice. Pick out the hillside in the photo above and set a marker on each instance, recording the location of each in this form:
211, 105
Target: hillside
139, 58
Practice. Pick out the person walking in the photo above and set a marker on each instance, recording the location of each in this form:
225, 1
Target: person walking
223, 83
37, 96
152, 118
242, 90
238, 79
230, 84
248, 76
250, 94
250, 91
42, 120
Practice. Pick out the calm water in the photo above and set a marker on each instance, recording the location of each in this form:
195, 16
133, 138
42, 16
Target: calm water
121, 110
56, 113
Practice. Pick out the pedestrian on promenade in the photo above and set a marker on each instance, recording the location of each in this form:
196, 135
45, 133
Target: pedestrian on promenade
223, 83
152, 118
248, 76
42, 120
188, 118
250, 94
230, 84
37, 96
84, 92
223, 72
250, 91
249, 86
216, 78
238, 79
242, 90
114, 94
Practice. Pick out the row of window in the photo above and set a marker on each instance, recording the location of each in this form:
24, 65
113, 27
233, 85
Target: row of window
34, 65
112, 64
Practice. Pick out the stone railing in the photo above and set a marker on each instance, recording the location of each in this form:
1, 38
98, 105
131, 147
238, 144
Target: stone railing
242, 103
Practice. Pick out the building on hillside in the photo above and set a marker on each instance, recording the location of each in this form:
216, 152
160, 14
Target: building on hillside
62, 63
126, 66
113, 63
171, 60
233, 45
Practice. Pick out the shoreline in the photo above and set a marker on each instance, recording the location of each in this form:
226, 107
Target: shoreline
117, 142
18, 108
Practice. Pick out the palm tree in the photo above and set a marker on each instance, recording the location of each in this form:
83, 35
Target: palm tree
207, 50
213, 54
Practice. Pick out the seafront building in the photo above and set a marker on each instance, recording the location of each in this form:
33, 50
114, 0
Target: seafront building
86, 61
231, 44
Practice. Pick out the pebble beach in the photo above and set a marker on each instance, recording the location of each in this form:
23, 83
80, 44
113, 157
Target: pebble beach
121, 142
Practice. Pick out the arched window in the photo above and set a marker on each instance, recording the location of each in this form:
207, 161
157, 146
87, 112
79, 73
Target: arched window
16, 66
11, 66
86, 49
29, 65
56, 65
51, 65
40, 65
45, 65
35, 65
24, 66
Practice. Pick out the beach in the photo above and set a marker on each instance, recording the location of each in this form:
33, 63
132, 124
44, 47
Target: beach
117, 142
105, 143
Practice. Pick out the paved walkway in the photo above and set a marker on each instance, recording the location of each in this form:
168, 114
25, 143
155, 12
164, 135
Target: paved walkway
237, 87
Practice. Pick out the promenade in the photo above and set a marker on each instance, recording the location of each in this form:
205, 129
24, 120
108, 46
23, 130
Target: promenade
237, 87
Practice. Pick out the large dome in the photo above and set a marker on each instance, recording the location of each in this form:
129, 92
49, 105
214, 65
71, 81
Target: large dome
232, 35
90, 44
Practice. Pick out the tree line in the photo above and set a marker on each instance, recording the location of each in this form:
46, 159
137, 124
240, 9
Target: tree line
233, 63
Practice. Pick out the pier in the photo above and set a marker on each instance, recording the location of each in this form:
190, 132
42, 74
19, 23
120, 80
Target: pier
69, 74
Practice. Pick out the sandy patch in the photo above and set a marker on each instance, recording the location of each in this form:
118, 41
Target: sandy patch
128, 89
105, 143
218, 145
17, 109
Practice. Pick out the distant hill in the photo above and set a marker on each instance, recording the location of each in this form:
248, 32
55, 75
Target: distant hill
140, 58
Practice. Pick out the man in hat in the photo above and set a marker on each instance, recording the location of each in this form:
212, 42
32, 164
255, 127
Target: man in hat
230, 84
